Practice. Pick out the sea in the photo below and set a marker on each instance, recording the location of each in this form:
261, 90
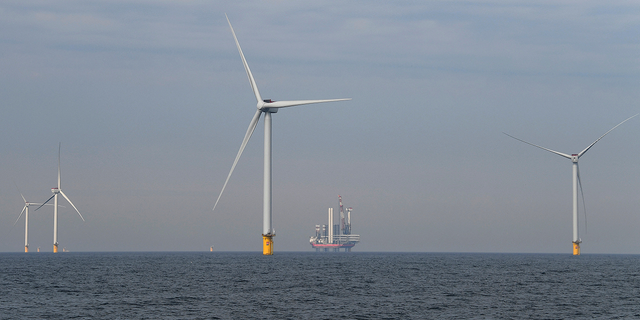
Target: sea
310, 285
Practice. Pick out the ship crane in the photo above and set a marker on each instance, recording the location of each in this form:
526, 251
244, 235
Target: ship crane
342, 225
348, 227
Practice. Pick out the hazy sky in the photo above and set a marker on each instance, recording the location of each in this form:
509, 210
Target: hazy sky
150, 101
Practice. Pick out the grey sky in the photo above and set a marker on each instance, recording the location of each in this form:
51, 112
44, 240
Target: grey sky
150, 101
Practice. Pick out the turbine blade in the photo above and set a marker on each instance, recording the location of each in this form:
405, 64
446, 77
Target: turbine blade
59, 146
584, 206
247, 136
543, 148
252, 81
71, 203
21, 212
284, 104
591, 145
15, 184
44, 203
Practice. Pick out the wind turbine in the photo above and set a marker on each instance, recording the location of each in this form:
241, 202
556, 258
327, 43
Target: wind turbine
576, 180
266, 106
56, 191
25, 210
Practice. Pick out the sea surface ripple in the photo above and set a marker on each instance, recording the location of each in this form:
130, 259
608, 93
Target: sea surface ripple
295, 285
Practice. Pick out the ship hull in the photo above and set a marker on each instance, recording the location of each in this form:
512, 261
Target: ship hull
332, 246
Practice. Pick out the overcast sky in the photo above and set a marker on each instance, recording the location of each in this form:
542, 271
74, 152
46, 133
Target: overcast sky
150, 102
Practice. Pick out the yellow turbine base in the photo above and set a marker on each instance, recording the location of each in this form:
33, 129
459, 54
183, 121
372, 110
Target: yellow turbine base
267, 245
26, 249
55, 248
576, 249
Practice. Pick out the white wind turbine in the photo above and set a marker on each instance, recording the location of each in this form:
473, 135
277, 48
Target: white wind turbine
266, 106
56, 191
576, 180
25, 210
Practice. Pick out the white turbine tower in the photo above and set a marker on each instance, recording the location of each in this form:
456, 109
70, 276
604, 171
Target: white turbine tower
25, 210
266, 106
576, 180
56, 191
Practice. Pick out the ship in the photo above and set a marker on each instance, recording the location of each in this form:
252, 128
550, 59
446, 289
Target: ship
333, 237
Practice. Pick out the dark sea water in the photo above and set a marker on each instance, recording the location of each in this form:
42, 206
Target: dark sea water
318, 286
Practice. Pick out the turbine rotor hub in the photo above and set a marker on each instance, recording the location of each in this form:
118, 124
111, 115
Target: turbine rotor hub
264, 106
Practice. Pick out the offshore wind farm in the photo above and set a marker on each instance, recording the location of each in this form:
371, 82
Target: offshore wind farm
148, 98
444, 218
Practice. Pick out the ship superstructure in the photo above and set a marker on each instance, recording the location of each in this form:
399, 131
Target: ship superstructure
335, 236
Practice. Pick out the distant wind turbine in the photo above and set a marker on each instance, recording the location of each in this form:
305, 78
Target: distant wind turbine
576, 180
266, 106
56, 192
25, 210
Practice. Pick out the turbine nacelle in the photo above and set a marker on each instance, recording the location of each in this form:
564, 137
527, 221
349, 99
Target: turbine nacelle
574, 158
55, 190
264, 106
